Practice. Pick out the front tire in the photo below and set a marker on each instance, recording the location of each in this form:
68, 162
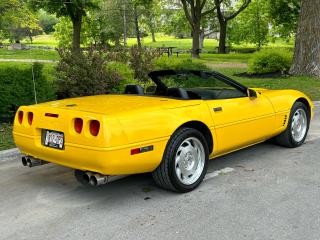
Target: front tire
184, 162
297, 129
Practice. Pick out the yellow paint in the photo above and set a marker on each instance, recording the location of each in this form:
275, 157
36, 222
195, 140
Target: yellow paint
128, 122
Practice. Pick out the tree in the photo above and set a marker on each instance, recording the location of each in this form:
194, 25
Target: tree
47, 21
174, 22
75, 10
284, 15
251, 26
17, 21
224, 16
307, 48
139, 6
194, 11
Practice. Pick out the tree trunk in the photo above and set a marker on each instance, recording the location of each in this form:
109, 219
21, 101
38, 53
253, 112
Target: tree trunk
223, 37
136, 23
307, 48
153, 35
202, 36
124, 26
76, 22
196, 43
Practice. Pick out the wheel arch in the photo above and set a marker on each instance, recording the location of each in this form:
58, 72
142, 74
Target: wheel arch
203, 128
307, 103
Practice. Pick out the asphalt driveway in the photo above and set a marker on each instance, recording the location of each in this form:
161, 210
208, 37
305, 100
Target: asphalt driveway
263, 192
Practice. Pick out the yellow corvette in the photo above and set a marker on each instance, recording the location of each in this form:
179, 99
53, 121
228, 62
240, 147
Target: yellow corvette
169, 131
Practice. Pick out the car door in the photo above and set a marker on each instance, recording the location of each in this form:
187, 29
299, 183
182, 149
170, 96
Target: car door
241, 121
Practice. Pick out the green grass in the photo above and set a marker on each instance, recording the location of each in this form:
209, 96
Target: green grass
6, 140
29, 54
171, 41
308, 85
43, 40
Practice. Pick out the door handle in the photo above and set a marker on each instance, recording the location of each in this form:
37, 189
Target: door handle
217, 109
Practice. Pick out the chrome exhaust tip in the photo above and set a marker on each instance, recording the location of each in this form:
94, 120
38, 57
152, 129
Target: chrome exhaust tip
32, 162
98, 179
24, 161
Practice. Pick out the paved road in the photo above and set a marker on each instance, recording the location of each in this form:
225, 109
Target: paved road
272, 193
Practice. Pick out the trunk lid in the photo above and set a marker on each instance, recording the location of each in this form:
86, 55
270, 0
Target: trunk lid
113, 104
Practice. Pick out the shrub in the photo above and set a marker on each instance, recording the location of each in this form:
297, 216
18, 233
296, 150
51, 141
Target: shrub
84, 73
270, 61
141, 60
179, 64
17, 88
125, 72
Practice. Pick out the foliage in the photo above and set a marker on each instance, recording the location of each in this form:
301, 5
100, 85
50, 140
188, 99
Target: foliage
251, 26
18, 21
141, 60
64, 32
175, 23
179, 64
75, 10
47, 21
83, 74
270, 61
284, 15
17, 88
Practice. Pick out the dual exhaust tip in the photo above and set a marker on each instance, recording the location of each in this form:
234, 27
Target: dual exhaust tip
91, 178
28, 161
97, 179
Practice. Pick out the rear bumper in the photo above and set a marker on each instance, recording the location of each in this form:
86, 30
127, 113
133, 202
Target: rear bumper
107, 161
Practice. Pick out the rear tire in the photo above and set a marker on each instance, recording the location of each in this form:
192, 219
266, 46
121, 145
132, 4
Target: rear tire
184, 163
297, 129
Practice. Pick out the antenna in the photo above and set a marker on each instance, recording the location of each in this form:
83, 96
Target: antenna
34, 85
33, 78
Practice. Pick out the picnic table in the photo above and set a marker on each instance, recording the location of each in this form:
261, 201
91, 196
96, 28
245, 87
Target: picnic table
167, 50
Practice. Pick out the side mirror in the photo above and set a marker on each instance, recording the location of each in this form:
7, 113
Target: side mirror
252, 94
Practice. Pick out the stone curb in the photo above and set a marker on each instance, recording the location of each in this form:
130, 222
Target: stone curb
10, 153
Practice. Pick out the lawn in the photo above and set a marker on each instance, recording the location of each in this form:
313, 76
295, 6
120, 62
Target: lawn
308, 85
29, 54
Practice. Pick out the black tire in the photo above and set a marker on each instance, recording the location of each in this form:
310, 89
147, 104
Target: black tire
286, 138
165, 175
81, 178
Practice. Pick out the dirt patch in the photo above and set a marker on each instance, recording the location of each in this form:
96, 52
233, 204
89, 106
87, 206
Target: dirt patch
227, 65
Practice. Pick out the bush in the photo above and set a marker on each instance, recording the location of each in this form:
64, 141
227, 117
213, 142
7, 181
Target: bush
17, 88
125, 72
270, 61
141, 60
84, 74
179, 64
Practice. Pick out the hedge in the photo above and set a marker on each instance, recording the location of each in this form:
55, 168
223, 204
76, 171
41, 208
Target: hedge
17, 88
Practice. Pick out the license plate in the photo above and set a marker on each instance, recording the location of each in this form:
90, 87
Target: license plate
53, 139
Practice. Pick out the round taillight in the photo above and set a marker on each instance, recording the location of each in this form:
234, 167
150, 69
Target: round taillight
78, 124
94, 127
20, 116
30, 117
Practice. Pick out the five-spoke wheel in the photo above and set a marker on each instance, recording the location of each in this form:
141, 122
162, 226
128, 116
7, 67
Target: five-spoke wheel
298, 126
185, 161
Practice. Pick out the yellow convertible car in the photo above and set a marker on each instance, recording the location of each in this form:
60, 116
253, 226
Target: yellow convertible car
170, 129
